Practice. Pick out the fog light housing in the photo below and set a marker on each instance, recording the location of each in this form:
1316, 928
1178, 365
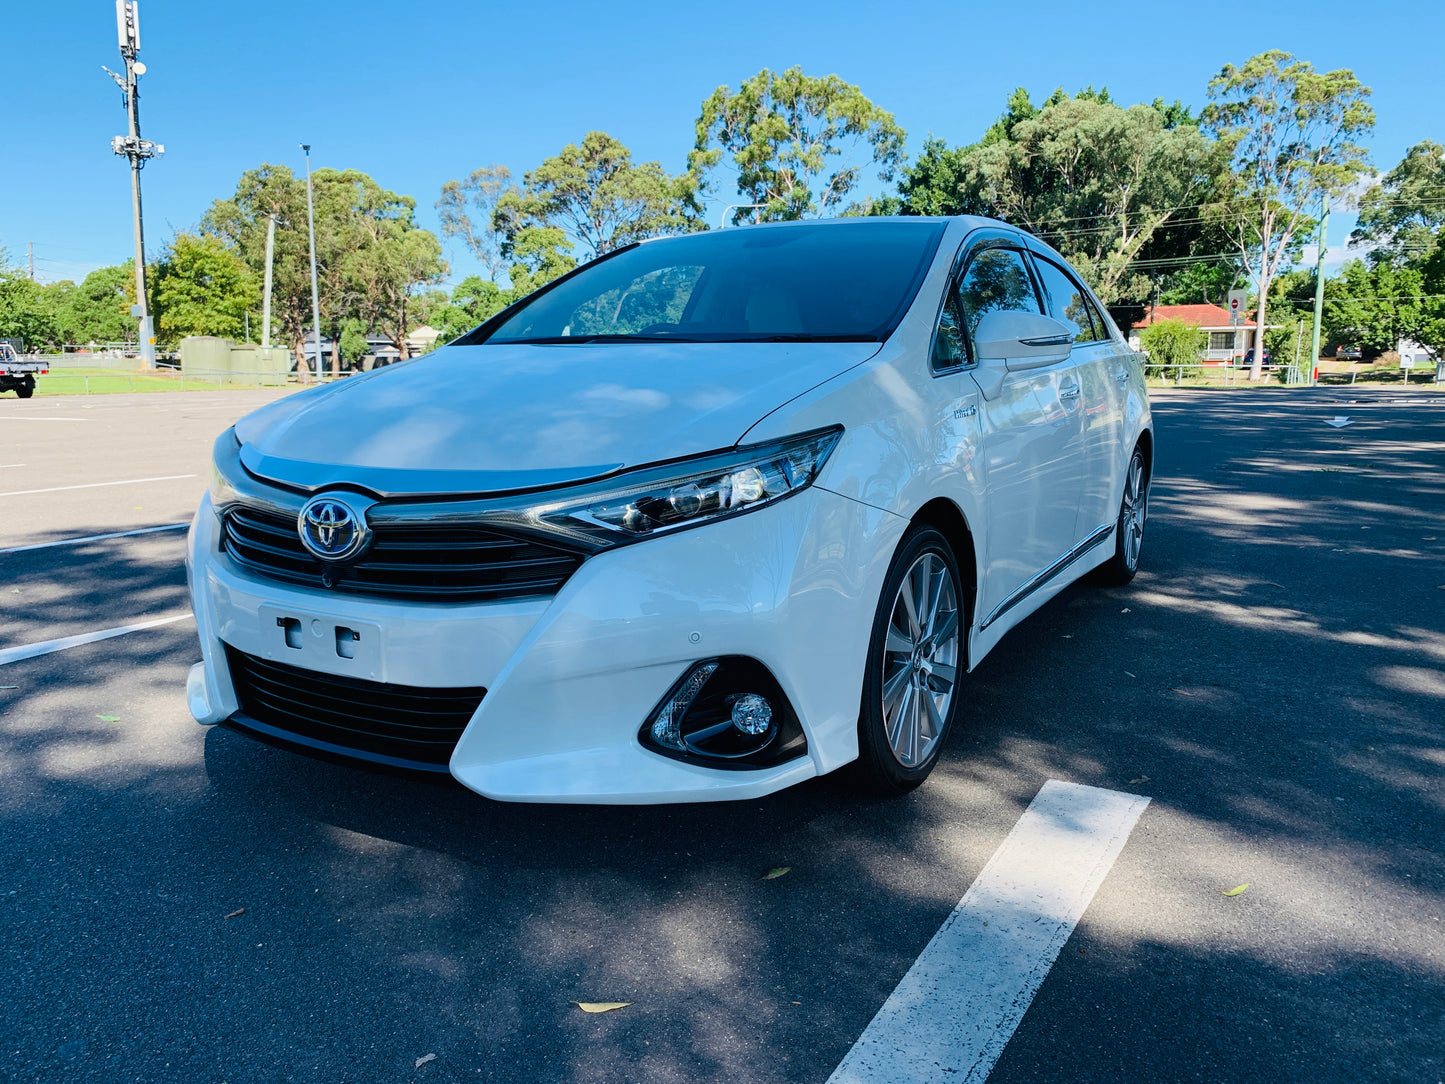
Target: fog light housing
727, 712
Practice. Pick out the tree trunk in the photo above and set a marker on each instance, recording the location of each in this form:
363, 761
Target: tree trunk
401, 333
303, 371
336, 355
1256, 370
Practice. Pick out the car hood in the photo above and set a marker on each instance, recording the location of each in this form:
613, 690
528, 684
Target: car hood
492, 419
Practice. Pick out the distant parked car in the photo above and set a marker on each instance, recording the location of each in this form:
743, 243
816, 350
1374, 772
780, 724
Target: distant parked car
1351, 352
19, 376
1249, 357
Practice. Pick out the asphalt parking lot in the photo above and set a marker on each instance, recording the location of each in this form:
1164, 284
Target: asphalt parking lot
183, 903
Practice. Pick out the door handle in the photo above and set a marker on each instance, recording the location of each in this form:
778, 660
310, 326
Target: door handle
1122, 376
1069, 392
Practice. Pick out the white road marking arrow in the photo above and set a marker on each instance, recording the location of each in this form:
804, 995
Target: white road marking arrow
1339, 421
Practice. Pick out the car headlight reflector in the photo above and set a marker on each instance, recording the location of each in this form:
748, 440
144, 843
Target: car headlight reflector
717, 486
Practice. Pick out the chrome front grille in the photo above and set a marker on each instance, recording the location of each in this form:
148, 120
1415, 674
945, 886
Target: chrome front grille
425, 562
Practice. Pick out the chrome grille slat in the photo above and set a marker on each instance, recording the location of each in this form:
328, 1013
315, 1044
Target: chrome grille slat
432, 562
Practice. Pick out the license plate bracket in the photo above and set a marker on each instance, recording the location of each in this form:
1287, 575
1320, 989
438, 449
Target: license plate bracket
335, 645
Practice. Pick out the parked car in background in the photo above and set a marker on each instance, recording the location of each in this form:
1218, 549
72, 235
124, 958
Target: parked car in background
1249, 357
708, 516
1349, 352
17, 375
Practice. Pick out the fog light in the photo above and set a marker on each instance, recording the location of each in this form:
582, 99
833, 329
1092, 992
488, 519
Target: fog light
726, 712
752, 714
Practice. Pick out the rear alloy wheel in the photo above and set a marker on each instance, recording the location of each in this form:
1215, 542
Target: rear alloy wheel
914, 659
1129, 531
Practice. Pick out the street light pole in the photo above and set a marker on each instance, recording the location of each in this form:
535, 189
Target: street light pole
315, 297
138, 150
1319, 292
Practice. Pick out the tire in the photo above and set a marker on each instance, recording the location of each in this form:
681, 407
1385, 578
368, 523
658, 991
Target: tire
915, 654
27, 389
1129, 527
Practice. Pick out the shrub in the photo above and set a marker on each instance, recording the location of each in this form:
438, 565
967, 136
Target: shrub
1174, 349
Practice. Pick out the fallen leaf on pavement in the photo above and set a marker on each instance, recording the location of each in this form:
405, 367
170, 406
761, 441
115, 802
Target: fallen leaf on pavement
1235, 891
1181, 692
601, 1006
776, 872
1140, 779
9, 686
1124, 610
1128, 674
423, 1060
237, 912
108, 718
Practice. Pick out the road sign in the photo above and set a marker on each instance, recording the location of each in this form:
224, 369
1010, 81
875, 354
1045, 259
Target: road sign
1237, 300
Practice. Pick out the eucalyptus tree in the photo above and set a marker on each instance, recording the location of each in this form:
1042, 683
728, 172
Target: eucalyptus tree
1291, 133
798, 143
466, 208
1107, 186
1401, 214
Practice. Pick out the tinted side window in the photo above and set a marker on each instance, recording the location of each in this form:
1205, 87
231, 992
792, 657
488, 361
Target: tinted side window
1068, 302
1101, 329
948, 348
996, 280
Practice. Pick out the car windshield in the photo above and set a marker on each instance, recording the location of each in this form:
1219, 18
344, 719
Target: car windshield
848, 281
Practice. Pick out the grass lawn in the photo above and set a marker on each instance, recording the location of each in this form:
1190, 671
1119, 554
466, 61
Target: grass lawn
109, 381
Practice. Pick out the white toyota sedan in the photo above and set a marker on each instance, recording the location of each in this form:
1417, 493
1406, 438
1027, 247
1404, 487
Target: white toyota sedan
708, 516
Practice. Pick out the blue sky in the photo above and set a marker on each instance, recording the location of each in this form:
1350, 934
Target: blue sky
417, 94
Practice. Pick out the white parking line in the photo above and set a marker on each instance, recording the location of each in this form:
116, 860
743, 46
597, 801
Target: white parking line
951, 1015
7, 466
45, 647
93, 538
97, 485
31, 418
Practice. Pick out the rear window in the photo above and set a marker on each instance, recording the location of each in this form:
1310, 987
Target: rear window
848, 281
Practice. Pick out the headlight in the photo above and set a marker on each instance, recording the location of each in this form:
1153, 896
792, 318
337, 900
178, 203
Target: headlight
691, 493
225, 458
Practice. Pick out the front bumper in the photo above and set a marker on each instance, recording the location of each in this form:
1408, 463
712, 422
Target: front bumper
570, 679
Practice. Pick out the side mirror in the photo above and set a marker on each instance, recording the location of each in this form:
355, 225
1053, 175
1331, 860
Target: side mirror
1015, 340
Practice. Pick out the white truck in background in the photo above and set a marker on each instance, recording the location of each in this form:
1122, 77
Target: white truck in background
17, 375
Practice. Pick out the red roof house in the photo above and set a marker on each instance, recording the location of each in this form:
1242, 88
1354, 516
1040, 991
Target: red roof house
1223, 342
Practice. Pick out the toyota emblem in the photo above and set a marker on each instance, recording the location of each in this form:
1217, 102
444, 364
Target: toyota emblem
332, 529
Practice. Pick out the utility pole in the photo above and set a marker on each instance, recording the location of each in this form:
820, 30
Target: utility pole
1319, 292
30, 248
138, 150
315, 302
266, 292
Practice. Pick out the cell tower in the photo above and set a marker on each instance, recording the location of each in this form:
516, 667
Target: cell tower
139, 151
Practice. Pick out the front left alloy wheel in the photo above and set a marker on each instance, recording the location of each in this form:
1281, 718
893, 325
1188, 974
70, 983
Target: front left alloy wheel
915, 656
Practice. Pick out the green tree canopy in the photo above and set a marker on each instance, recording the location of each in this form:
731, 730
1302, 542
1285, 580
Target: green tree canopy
370, 253
1291, 132
598, 198
466, 208
27, 311
799, 143
1103, 184
1402, 214
202, 287
98, 310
